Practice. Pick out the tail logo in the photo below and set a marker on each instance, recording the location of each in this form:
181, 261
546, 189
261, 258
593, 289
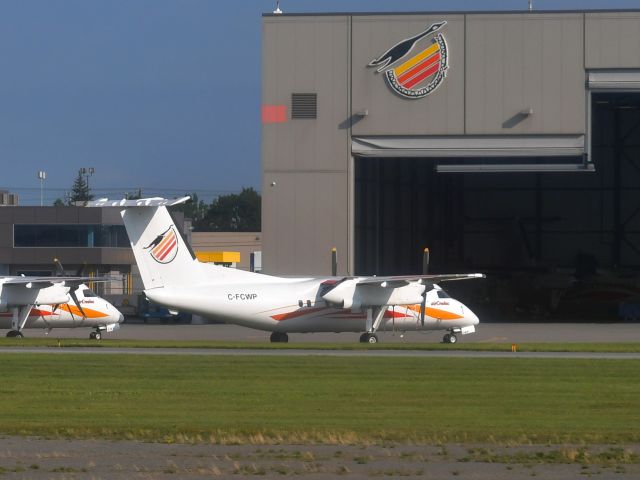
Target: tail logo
164, 247
419, 75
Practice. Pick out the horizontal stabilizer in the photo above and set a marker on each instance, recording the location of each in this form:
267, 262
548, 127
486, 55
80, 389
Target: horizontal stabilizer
140, 202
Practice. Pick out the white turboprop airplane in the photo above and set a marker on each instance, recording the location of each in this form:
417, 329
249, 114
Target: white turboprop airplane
54, 302
175, 279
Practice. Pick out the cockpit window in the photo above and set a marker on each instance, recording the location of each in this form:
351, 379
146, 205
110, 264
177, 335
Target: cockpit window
443, 294
89, 293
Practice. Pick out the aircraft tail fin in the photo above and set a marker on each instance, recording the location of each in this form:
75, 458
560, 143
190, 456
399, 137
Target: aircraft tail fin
164, 258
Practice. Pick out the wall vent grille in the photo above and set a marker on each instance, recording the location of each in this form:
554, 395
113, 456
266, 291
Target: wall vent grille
304, 105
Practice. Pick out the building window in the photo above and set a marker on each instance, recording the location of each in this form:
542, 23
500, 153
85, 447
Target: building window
88, 236
304, 105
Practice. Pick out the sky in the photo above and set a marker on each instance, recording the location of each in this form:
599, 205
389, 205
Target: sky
162, 95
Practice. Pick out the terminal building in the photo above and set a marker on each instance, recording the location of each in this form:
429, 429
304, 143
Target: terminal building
506, 142
95, 240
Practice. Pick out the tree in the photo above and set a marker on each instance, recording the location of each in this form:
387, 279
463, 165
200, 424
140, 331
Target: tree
58, 203
233, 213
80, 191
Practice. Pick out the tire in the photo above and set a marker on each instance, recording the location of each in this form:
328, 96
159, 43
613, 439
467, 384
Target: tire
279, 337
98, 336
446, 338
363, 338
372, 339
453, 338
14, 334
92, 335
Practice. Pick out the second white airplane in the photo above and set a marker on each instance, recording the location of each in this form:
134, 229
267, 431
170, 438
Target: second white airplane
175, 279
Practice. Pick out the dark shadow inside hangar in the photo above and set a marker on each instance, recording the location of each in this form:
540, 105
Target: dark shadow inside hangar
554, 244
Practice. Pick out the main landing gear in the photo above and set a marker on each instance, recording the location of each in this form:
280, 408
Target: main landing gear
371, 338
449, 338
14, 334
279, 337
95, 335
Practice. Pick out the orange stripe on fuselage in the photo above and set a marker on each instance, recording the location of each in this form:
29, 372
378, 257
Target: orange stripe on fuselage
436, 313
296, 313
89, 312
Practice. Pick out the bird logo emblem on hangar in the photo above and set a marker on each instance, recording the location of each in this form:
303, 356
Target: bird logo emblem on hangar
419, 75
164, 248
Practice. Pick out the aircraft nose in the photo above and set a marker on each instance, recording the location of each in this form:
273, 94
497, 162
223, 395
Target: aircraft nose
471, 317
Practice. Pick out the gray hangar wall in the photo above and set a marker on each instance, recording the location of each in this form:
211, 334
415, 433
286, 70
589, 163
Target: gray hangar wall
517, 85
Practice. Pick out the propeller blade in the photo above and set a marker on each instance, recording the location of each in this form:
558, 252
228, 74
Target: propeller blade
58, 267
80, 271
425, 262
74, 297
334, 262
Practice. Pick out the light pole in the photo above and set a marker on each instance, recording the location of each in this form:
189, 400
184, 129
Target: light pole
41, 176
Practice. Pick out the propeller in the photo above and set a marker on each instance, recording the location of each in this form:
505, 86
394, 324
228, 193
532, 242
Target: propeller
74, 297
425, 261
59, 271
334, 262
74, 287
425, 271
423, 306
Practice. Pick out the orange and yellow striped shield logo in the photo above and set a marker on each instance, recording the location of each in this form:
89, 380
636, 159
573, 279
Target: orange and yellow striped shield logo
417, 75
164, 248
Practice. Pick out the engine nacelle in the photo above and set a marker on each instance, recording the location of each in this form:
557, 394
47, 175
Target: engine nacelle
20, 295
349, 294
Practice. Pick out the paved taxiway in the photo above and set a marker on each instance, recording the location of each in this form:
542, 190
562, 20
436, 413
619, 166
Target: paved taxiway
485, 333
311, 352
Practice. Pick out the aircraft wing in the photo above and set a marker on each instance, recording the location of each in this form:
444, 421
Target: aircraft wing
42, 282
400, 280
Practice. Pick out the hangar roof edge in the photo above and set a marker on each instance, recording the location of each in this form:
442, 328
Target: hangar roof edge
447, 12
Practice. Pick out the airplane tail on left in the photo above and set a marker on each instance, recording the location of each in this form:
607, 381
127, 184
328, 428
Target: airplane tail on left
162, 255
164, 258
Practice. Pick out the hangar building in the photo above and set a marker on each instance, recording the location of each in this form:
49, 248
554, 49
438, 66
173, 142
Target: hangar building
505, 141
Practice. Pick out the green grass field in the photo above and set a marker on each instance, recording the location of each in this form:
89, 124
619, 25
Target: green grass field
495, 347
255, 399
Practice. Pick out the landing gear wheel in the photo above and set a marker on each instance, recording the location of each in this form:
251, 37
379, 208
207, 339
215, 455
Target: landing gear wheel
14, 333
453, 338
446, 338
371, 338
92, 335
279, 337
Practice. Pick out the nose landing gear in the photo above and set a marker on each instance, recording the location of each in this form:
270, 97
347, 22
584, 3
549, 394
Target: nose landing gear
449, 338
371, 338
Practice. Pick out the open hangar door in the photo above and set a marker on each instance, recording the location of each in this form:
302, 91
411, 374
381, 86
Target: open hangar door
558, 234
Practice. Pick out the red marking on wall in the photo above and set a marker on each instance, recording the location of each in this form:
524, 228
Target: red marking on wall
274, 114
